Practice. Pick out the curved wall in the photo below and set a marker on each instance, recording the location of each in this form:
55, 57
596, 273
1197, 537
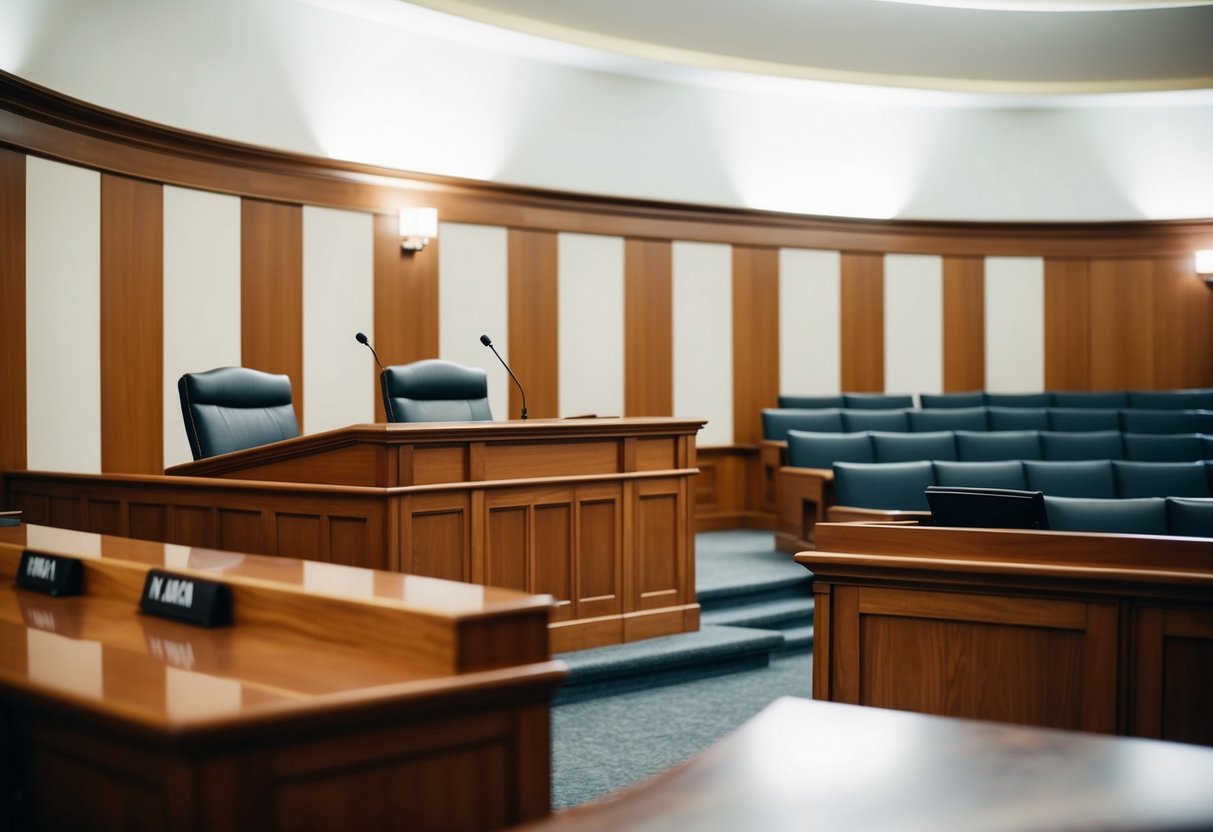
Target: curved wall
384, 83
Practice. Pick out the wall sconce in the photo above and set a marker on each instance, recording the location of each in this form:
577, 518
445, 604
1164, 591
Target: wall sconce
1204, 265
417, 226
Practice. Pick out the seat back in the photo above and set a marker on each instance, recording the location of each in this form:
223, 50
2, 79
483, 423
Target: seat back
890, 420
1199, 399
977, 446
1005, 474
1080, 514
948, 418
433, 390
1034, 400
1164, 447
776, 422
1161, 479
232, 408
822, 450
810, 402
889, 486
877, 401
1190, 517
1089, 478
1166, 421
1083, 419
910, 447
1018, 418
1112, 400
941, 400
1098, 444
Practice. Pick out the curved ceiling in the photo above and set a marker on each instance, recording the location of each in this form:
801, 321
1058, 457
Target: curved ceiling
1029, 47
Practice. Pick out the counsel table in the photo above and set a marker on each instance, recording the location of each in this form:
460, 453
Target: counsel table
803, 765
338, 697
596, 512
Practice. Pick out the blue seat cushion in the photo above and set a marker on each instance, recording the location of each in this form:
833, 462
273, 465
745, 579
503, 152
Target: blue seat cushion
949, 418
1004, 474
908, 447
942, 400
890, 420
889, 486
776, 422
1078, 514
810, 402
1089, 478
1099, 444
1190, 517
997, 445
822, 450
1161, 479
1083, 419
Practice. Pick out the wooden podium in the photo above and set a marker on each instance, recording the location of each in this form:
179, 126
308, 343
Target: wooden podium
337, 697
595, 512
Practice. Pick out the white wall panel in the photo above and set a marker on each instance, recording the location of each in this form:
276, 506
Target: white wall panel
590, 307
473, 300
809, 322
338, 301
1015, 324
201, 297
63, 317
703, 337
913, 323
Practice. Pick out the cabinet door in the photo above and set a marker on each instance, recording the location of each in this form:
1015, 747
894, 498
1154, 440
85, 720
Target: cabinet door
1173, 675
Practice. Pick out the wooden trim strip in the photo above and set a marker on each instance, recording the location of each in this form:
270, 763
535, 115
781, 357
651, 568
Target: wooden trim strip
862, 311
12, 312
533, 325
964, 324
648, 325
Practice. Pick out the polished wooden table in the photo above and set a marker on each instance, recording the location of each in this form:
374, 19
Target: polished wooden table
1100, 632
338, 698
595, 512
802, 764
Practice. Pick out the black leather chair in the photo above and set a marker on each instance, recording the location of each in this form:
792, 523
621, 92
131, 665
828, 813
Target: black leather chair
433, 390
231, 408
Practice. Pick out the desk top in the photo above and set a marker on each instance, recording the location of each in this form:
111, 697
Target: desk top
308, 640
803, 764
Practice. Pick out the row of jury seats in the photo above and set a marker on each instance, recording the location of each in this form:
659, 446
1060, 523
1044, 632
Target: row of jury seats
232, 408
1192, 399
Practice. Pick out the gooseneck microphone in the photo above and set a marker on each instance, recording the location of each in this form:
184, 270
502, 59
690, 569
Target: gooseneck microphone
362, 339
484, 339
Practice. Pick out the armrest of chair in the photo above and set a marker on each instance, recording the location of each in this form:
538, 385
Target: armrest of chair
804, 494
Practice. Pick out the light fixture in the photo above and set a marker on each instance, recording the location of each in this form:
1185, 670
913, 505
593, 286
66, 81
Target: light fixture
417, 226
1204, 265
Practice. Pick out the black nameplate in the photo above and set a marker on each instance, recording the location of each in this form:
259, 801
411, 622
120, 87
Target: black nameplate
192, 600
50, 574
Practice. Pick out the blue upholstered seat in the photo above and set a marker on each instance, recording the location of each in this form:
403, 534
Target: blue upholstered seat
1161, 479
433, 390
984, 446
889, 486
948, 418
1190, 517
1034, 400
1079, 514
822, 450
1164, 447
1083, 419
877, 401
776, 422
1089, 478
1004, 474
1166, 421
1018, 418
1099, 444
1197, 399
947, 400
1110, 400
232, 408
890, 420
908, 447
810, 402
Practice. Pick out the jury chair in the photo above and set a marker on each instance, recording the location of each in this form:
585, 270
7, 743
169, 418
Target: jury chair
232, 408
433, 390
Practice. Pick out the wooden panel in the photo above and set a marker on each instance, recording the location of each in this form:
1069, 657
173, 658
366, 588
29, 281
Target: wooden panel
192, 526
147, 521
241, 530
1122, 324
298, 535
755, 339
648, 328
1067, 324
656, 548
132, 326
862, 310
599, 575
532, 321
350, 543
553, 459
506, 547
271, 292
1172, 679
12, 312
552, 555
1183, 326
438, 464
104, 516
964, 328
437, 537
406, 301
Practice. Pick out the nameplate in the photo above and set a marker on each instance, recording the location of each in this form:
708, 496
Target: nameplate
50, 574
192, 600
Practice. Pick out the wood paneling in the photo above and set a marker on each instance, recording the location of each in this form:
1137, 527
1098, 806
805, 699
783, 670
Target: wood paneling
648, 329
1122, 324
534, 350
132, 326
964, 324
862, 310
12, 311
271, 292
755, 339
1067, 324
406, 301
1183, 325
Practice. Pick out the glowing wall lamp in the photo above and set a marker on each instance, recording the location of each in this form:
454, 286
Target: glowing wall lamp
1204, 265
417, 226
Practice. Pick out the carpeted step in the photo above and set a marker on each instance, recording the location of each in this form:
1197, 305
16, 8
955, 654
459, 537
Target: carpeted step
736, 591
796, 639
619, 668
773, 614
